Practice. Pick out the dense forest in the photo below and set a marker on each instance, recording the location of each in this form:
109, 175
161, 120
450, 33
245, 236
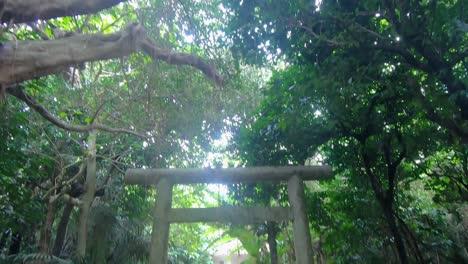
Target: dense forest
378, 90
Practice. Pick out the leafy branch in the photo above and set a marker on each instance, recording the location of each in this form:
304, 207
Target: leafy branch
19, 93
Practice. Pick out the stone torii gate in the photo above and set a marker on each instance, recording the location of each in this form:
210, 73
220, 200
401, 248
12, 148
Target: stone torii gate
164, 179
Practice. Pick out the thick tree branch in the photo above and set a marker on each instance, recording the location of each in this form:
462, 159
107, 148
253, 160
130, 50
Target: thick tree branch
403, 151
330, 42
21, 11
175, 58
392, 166
435, 61
65, 183
25, 60
31, 102
431, 114
375, 182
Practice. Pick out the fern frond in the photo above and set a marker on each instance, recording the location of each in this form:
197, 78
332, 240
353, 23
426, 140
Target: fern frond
35, 257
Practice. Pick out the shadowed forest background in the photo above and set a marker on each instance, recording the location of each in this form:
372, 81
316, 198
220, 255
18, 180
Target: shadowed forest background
378, 90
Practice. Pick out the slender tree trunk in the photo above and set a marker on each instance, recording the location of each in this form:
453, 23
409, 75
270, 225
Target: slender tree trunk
46, 230
3, 239
88, 196
411, 239
272, 230
62, 229
15, 244
321, 256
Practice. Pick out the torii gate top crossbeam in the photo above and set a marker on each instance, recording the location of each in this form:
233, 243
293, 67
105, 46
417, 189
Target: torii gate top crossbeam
227, 175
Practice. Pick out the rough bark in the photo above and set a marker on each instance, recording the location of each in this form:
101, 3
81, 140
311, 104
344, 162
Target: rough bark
88, 196
62, 229
25, 60
175, 58
20, 11
46, 230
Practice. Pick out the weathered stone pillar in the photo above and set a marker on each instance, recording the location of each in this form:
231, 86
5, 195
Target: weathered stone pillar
160, 232
302, 241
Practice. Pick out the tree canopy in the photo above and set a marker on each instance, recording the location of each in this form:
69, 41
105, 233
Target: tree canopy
376, 89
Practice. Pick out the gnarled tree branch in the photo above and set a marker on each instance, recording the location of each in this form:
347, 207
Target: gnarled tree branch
31, 102
25, 60
21, 11
175, 58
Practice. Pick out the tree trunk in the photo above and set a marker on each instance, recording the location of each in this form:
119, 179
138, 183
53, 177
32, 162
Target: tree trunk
386, 197
88, 196
15, 244
400, 245
321, 256
3, 239
62, 229
272, 229
46, 231
411, 240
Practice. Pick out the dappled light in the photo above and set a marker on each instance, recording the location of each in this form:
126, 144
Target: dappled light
209, 132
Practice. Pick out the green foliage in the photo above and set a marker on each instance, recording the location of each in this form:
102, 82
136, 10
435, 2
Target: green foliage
249, 241
364, 91
33, 257
378, 90
176, 107
19, 175
183, 256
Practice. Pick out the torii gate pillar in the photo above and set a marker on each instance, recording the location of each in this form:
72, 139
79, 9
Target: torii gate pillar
160, 231
301, 231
